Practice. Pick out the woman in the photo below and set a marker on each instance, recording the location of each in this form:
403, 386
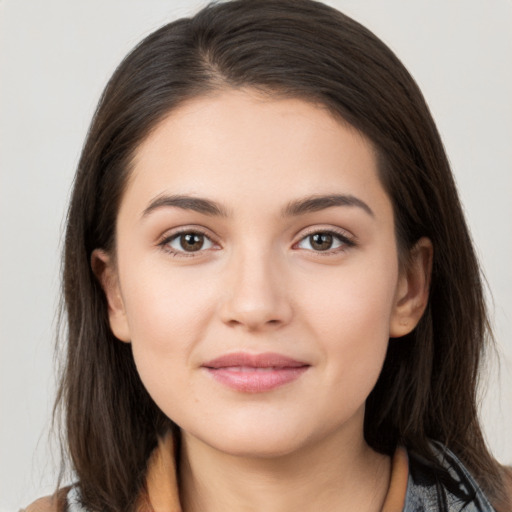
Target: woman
272, 297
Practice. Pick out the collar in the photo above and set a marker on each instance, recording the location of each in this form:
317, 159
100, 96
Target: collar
162, 493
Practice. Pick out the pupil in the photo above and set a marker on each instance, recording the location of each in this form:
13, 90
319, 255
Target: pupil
192, 241
321, 241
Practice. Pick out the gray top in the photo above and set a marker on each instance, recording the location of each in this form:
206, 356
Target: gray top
427, 491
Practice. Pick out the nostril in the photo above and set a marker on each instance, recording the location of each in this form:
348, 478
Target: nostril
256, 307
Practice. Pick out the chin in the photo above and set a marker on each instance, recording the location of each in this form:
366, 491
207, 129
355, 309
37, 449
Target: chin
260, 442
261, 447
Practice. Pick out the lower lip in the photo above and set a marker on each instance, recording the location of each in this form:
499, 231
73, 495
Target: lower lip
255, 380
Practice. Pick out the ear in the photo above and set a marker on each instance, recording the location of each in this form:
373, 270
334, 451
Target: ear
105, 271
412, 292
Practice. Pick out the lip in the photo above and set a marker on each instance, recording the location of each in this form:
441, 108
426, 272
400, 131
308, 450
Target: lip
255, 373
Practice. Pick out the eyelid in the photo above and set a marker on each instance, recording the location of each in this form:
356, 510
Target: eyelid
347, 239
170, 235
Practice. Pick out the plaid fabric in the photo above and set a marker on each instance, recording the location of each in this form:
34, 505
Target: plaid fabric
455, 491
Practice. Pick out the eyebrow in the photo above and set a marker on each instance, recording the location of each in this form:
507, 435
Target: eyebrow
197, 204
295, 208
317, 203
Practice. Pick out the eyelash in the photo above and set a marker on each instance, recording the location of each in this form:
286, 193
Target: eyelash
345, 240
343, 237
165, 243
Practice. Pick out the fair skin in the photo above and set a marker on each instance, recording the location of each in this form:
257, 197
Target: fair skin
317, 284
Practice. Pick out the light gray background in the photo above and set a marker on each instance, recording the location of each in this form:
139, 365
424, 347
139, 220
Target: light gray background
57, 55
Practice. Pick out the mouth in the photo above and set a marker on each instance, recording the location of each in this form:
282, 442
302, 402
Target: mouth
255, 373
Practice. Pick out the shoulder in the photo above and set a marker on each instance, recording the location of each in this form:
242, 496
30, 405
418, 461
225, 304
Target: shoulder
505, 503
64, 500
450, 488
47, 504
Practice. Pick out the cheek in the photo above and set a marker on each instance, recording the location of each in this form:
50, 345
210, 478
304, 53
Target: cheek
351, 315
164, 327
167, 315
165, 310
355, 299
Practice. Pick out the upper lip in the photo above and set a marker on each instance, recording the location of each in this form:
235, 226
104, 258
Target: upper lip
244, 359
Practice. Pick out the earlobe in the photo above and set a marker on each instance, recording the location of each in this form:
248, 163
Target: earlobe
412, 293
104, 269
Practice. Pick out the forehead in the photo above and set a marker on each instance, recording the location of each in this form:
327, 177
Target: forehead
239, 146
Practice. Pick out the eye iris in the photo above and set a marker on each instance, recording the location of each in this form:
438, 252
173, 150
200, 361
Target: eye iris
321, 241
192, 241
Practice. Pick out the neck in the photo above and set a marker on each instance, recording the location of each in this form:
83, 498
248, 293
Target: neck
333, 474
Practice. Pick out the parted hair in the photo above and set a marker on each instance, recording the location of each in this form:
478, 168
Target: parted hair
293, 48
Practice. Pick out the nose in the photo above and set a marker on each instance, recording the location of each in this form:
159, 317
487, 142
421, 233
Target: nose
258, 295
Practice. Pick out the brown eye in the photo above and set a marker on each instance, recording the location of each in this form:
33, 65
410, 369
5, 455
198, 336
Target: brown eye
190, 242
322, 241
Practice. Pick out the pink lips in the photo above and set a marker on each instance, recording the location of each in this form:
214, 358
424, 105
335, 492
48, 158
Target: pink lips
255, 373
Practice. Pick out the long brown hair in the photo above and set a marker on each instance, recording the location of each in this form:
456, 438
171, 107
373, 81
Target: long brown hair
297, 48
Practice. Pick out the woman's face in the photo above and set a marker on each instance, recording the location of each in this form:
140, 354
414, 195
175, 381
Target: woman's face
256, 273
